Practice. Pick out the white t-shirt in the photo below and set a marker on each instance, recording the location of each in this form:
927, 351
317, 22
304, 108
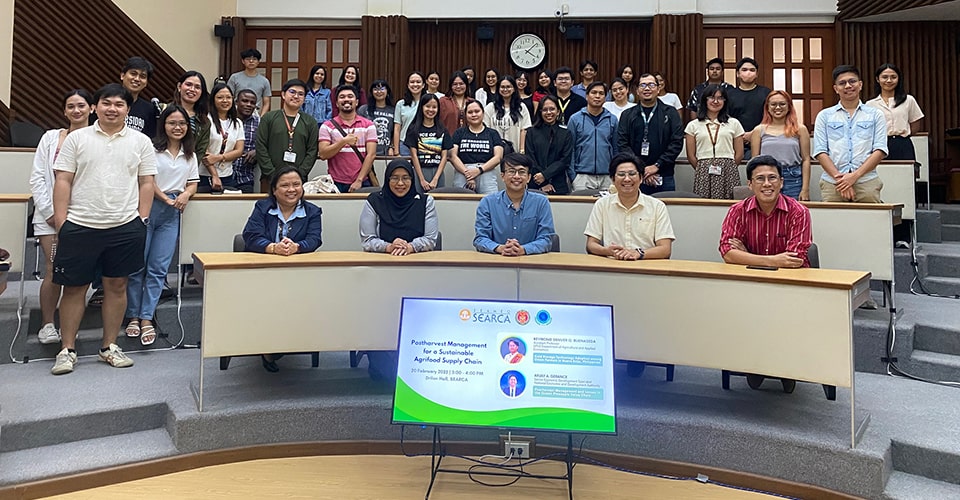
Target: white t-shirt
672, 99
233, 132
173, 174
107, 168
725, 133
614, 108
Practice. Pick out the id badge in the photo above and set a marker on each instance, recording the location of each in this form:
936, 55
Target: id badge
645, 149
714, 170
289, 156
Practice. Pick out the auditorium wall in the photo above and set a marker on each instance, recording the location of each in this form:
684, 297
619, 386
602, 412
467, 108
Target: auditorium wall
6, 48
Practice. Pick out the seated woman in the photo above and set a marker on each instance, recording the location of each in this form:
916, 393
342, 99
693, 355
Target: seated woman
283, 224
397, 220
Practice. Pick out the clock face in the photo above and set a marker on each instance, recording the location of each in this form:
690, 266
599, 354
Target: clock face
527, 51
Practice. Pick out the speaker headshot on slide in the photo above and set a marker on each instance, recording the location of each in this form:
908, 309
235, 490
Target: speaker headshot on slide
513, 350
512, 383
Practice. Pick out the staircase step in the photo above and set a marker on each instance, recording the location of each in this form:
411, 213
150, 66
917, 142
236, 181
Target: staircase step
950, 232
942, 264
948, 214
60, 428
926, 462
903, 486
932, 365
941, 285
77, 456
936, 339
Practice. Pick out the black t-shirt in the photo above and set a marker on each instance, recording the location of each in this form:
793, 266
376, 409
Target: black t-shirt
143, 117
569, 106
475, 148
382, 118
747, 105
429, 143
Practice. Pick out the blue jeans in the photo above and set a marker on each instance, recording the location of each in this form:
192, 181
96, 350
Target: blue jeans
145, 285
792, 181
669, 184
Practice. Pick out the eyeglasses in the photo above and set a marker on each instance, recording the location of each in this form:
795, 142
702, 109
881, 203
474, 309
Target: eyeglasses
403, 178
648, 85
295, 93
623, 175
778, 105
716, 99
177, 124
514, 172
763, 179
851, 82
380, 89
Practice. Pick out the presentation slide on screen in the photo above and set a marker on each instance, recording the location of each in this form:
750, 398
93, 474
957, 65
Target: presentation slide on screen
506, 364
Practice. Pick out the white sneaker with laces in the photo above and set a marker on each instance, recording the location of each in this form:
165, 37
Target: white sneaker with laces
48, 334
66, 360
115, 357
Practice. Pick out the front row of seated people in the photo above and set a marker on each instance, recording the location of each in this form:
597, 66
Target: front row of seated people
767, 229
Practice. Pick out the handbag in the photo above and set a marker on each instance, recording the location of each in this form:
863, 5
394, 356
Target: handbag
507, 147
372, 175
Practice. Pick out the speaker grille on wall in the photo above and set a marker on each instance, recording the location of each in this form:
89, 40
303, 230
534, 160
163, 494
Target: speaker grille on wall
575, 32
484, 32
223, 30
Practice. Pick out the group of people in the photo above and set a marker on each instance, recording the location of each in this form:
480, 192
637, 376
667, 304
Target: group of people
109, 191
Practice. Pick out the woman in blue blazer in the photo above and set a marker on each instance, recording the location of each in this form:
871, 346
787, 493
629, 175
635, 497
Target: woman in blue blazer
283, 223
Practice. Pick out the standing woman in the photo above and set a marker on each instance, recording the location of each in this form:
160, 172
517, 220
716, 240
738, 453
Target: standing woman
523, 89
76, 107
407, 110
351, 76
781, 136
550, 147
176, 181
544, 88
900, 109
476, 153
714, 146
668, 98
507, 115
488, 91
453, 106
433, 84
381, 113
471, 74
630, 80
226, 142
429, 143
317, 101
620, 92
192, 96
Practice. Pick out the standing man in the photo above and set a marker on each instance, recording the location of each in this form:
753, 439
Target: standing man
570, 103
715, 77
101, 206
249, 78
746, 101
341, 140
588, 72
134, 76
849, 140
653, 132
629, 225
286, 136
514, 222
593, 132
243, 173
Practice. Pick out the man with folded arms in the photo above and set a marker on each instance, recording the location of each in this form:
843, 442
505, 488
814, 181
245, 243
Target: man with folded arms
766, 229
514, 222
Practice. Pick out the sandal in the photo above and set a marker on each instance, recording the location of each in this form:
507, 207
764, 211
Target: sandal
148, 335
96, 300
133, 328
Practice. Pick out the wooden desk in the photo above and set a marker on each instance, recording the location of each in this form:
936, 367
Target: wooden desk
681, 312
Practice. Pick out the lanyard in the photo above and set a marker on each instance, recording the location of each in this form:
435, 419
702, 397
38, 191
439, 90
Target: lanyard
646, 121
290, 129
713, 135
563, 108
224, 135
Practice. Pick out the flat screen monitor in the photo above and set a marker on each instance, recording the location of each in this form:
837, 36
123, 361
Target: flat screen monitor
516, 365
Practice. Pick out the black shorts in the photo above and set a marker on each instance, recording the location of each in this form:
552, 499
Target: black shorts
82, 250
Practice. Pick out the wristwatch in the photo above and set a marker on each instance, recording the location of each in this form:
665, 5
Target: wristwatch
145, 220
641, 252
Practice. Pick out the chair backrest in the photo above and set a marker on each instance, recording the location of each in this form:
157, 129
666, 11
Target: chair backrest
238, 243
555, 242
439, 245
368, 189
676, 194
742, 192
25, 134
452, 189
586, 192
813, 255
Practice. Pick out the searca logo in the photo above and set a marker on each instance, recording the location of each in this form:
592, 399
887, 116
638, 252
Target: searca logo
465, 314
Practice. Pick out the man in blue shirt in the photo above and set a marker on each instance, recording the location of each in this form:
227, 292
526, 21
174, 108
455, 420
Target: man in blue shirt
514, 222
849, 140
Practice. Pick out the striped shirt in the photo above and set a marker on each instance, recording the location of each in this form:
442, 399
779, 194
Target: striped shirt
786, 229
243, 170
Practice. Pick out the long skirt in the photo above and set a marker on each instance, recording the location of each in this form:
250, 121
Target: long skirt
707, 185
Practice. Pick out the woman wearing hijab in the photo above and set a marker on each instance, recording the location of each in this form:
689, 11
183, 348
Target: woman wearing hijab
397, 220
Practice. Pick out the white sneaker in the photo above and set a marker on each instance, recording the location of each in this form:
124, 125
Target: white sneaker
48, 334
115, 357
66, 360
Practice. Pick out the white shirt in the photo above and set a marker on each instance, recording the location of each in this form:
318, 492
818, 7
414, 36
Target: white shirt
614, 108
234, 133
898, 118
173, 173
41, 177
639, 226
671, 99
724, 133
107, 168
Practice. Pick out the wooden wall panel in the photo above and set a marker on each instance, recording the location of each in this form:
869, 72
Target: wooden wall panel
230, 48
58, 46
851, 9
448, 46
928, 53
4, 125
678, 51
385, 50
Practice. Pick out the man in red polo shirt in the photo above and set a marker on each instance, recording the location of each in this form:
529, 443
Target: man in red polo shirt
348, 142
768, 228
